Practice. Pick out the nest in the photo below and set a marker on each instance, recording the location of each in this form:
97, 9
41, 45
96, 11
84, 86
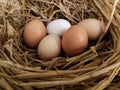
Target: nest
95, 69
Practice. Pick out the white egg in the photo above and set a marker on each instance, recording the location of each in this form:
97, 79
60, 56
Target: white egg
58, 26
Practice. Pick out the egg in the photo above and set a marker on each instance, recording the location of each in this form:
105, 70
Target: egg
34, 31
93, 27
74, 40
58, 26
49, 47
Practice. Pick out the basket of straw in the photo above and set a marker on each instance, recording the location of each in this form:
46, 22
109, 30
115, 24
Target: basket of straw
95, 69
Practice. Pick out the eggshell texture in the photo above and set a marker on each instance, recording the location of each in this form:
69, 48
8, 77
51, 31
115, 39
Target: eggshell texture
58, 26
93, 27
34, 31
49, 47
74, 40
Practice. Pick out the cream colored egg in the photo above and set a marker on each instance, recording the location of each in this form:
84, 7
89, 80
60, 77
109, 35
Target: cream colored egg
49, 47
93, 27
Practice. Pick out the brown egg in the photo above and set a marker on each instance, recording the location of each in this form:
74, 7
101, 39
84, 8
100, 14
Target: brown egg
49, 47
74, 40
93, 27
34, 31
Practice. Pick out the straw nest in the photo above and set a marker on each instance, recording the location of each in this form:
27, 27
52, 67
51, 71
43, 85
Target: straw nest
96, 69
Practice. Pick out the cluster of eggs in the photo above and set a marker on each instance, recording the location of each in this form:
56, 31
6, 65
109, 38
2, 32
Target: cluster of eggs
60, 34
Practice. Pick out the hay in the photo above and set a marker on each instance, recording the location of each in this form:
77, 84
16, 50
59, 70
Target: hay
96, 69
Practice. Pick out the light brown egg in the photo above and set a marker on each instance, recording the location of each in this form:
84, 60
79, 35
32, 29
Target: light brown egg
34, 31
93, 27
74, 40
49, 47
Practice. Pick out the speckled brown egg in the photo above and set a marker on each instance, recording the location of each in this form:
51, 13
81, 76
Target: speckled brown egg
74, 40
34, 31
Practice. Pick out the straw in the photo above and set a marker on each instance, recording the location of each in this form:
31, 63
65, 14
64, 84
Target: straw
97, 68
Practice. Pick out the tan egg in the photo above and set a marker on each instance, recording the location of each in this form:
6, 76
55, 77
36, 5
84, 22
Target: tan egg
74, 40
93, 27
34, 31
49, 47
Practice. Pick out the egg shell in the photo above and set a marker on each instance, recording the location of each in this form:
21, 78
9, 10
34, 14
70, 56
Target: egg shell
34, 31
49, 47
74, 40
58, 26
93, 27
